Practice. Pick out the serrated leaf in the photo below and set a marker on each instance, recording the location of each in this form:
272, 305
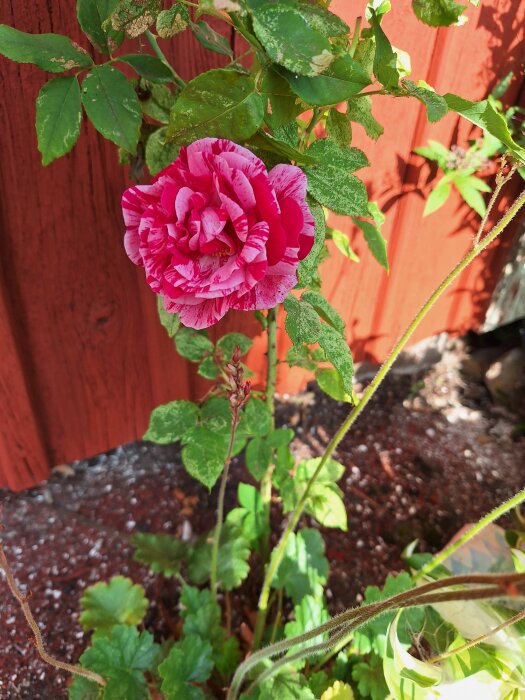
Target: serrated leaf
435, 104
50, 52
438, 13
282, 105
338, 691
288, 685
107, 604
112, 106
91, 14
58, 117
385, 58
82, 689
291, 41
204, 455
469, 189
331, 182
324, 309
258, 457
320, 18
122, 659
266, 142
258, 419
304, 567
369, 678
438, 196
220, 103
342, 79
208, 369
360, 110
193, 345
338, 127
230, 341
133, 17
210, 39
148, 67
172, 21
170, 421
302, 321
375, 241
308, 267
308, 614
331, 382
300, 356
250, 518
162, 553
189, 661
338, 353
232, 566
160, 154
168, 320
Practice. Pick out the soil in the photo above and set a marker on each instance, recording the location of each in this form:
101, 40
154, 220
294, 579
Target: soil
431, 453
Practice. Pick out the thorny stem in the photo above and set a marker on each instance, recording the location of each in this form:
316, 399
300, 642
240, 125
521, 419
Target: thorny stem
356, 411
158, 51
513, 502
220, 506
501, 180
478, 640
38, 641
353, 618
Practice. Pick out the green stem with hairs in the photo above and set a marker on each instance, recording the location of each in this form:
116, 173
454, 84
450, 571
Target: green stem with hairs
159, 53
371, 389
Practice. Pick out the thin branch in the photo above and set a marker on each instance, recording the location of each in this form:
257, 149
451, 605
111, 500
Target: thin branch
38, 641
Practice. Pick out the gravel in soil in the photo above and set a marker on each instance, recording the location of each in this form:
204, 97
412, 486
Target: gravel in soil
431, 453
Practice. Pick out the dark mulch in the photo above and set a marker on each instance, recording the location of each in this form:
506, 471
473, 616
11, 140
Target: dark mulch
431, 453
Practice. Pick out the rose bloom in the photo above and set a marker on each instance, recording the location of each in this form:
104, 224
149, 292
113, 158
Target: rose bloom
216, 231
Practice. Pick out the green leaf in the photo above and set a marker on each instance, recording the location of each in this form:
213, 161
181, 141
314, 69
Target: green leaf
308, 268
211, 39
331, 183
156, 101
287, 685
325, 504
375, 241
338, 127
107, 604
50, 52
168, 320
304, 567
331, 382
58, 117
338, 691
258, 419
326, 22
201, 615
438, 13
324, 309
133, 16
342, 244
250, 518
302, 321
484, 114
438, 196
308, 614
148, 67
189, 661
281, 437
160, 154
342, 79
360, 110
332, 471
300, 356
122, 659
291, 41
232, 566
193, 345
338, 353
469, 188
170, 421
208, 369
230, 341
435, 104
282, 105
267, 142
91, 14
370, 678
385, 58
162, 553
172, 21
112, 106
221, 103
258, 457
204, 455
82, 689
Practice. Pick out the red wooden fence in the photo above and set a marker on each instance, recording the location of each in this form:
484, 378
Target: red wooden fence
83, 357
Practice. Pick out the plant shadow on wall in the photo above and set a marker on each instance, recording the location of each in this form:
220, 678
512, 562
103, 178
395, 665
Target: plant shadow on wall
234, 219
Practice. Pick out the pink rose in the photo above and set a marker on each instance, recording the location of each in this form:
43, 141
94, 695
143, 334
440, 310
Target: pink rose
215, 231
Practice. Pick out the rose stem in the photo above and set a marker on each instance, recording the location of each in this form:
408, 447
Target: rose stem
358, 408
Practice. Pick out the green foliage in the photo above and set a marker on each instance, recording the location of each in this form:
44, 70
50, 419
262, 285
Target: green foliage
438, 13
385, 58
338, 127
133, 17
234, 552
58, 117
169, 422
282, 107
163, 553
435, 104
189, 661
50, 52
193, 345
122, 658
307, 271
375, 241
172, 21
169, 321
250, 518
230, 341
331, 382
107, 604
211, 39
304, 568
91, 15
360, 110
148, 67
370, 678
221, 103
288, 685
308, 614
112, 106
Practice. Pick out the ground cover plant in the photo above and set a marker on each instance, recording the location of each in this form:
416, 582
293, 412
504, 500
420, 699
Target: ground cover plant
246, 163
